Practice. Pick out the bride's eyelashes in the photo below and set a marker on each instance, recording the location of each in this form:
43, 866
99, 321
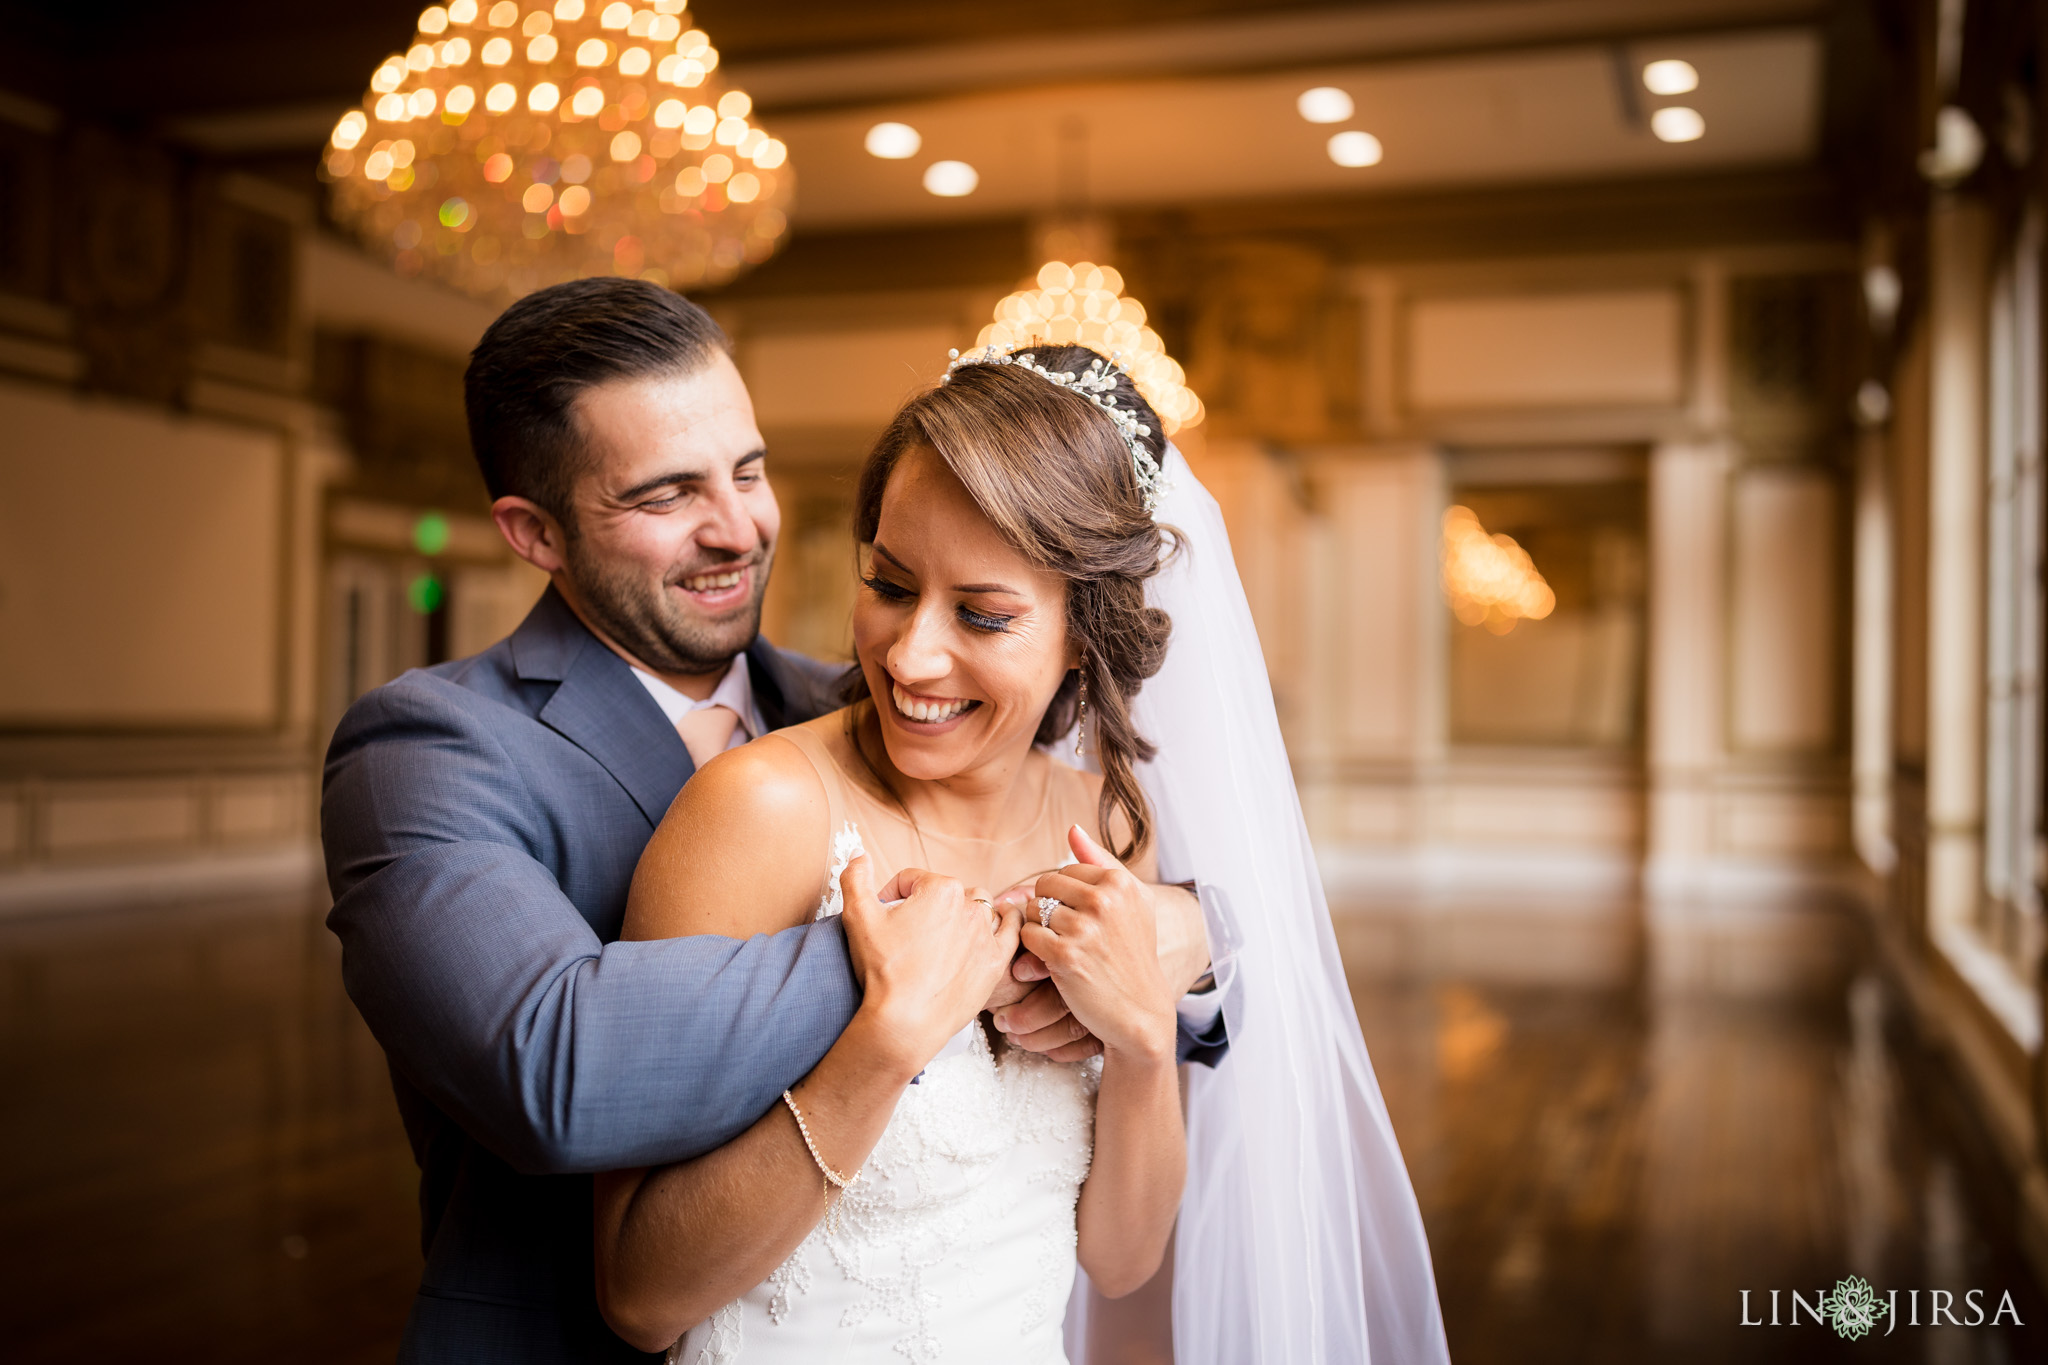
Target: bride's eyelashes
884, 589
993, 625
978, 620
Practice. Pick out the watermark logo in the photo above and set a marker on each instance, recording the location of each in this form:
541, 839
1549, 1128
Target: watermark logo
1853, 1308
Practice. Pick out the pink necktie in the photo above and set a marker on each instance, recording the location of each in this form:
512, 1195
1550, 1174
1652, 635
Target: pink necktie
707, 731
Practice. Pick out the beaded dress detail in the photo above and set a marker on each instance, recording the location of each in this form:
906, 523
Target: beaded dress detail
957, 1243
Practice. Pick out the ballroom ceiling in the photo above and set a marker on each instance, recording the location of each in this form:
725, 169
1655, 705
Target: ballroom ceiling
1141, 102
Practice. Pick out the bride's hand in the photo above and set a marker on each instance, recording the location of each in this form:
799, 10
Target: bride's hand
1102, 950
928, 963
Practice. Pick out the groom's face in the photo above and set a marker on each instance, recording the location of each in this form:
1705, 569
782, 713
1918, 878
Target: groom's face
674, 522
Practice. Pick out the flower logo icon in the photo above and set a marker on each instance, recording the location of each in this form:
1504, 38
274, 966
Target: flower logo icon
1853, 1308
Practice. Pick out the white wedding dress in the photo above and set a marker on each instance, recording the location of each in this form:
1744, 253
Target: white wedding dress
957, 1242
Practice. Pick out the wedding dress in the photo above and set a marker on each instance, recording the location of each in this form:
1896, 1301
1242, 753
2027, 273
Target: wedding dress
957, 1243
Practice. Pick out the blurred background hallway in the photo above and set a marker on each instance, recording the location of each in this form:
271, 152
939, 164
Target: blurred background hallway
1629, 421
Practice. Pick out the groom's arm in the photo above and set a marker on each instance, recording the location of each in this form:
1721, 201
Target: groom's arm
492, 994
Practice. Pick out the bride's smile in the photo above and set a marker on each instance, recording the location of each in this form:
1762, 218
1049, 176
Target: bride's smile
964, 635
934, 714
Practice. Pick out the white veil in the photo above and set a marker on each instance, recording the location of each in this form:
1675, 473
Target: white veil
1299, 1241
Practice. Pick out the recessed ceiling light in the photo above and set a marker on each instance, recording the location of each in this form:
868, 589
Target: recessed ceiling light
893, 141
1324, 104
951, 179
1670, 77
1677, 124
1354, 148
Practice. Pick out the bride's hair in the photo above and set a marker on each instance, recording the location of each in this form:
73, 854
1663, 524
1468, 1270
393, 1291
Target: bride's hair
1050, 472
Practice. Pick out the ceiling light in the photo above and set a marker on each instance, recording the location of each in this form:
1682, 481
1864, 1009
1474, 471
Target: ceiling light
893, 141
1670, 77
1677, 124
1324, 104
1085, 305
1490, 580
951, 179
573, 163
1354, 148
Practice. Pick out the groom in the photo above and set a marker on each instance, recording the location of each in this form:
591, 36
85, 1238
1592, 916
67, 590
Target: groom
482, 820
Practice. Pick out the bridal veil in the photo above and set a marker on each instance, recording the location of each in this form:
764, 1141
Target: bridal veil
1299, 1241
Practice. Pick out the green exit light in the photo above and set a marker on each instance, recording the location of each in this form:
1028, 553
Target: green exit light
426, 594
430, 534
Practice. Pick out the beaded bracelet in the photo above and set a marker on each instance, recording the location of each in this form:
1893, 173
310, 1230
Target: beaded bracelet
832, 1177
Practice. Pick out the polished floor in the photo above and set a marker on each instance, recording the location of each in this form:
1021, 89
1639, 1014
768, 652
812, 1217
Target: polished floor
201, 1162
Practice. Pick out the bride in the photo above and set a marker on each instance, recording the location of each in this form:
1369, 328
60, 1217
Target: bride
928, 1191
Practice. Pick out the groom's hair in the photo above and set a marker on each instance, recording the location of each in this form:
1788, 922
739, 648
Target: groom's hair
545, 351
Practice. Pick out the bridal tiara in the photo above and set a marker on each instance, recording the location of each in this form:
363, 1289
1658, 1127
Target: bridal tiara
1097, 384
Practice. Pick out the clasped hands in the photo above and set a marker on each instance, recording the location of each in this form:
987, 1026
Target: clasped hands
1105, 974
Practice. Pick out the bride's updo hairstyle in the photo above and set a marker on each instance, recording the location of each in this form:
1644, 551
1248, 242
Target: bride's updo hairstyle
1049, 471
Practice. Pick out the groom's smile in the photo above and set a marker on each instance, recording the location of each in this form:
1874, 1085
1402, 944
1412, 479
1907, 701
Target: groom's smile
719, 590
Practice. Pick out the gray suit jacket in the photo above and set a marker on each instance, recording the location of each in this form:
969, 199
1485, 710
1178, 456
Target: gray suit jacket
482, 821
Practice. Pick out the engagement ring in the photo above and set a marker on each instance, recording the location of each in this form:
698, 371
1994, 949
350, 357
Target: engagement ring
1046, 905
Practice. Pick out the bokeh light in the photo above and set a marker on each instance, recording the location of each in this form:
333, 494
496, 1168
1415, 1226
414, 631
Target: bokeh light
430, 533
1678, 124
1670, 77
494, 104
1085, 305
1355, 148
1490, 580
893, 141
1324, 104
951, 179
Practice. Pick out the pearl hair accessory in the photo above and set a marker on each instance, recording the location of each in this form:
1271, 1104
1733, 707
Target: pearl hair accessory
1097, 384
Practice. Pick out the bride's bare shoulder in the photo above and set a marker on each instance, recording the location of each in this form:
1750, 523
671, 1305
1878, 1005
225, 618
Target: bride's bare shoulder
740, 852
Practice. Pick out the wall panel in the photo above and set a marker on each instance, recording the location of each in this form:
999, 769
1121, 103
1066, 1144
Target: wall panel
139, 567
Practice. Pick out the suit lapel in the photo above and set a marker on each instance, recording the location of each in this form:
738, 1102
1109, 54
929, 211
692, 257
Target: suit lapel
771, 687
600, 707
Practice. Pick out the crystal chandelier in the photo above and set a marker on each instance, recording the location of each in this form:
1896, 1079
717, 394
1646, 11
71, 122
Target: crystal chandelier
1084, 304
1490, 579
515, 145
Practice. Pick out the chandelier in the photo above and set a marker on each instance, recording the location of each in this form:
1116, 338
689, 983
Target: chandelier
1084, 305
515, 145
1490, 579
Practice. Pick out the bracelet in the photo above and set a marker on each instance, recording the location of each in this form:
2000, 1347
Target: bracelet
832, 1177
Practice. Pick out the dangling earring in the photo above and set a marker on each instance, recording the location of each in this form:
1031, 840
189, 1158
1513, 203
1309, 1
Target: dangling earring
1081, 717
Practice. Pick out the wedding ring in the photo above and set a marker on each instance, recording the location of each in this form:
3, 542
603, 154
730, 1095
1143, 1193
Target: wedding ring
1046, 905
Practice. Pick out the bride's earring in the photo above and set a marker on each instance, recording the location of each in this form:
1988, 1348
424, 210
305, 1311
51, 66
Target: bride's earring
1081, 717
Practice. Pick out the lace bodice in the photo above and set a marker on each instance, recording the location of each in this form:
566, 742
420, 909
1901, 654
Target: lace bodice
957, 1243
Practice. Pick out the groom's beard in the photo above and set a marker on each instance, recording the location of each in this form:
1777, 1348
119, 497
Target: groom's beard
661, 632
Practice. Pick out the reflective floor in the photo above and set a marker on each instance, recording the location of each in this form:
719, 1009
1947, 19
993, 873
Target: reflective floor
201, 1161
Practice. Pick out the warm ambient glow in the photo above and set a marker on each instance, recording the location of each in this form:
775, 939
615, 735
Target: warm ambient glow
506, 149
951, 179
1490, 580
1678, 124
1084, 304
1670, 77
1354, 148
893, 141
1324, 104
